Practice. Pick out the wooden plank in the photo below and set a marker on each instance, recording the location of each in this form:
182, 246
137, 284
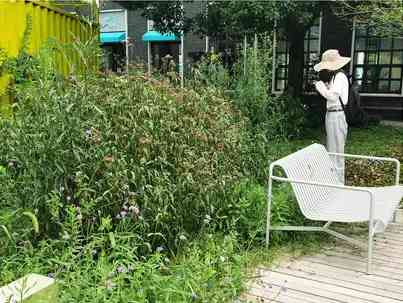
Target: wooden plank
375, 282
391, 236
391, 260
383, 248
350, 274
394, 228
358, 266
389, 243
268, 292
341, 262
276, 294
348, 285
359, 263
325, 290
391, 233
382, 254
337, 275
377, 258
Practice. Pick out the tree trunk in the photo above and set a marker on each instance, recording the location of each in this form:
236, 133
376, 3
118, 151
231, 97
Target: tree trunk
296, 34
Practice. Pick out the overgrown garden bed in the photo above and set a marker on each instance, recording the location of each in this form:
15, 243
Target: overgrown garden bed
127, 189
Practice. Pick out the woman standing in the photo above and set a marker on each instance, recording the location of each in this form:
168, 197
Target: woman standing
334, 87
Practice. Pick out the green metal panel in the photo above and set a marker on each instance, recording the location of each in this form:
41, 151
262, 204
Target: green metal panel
47, 22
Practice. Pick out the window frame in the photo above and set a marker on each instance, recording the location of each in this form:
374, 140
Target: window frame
126, 25
390, 50
275, 56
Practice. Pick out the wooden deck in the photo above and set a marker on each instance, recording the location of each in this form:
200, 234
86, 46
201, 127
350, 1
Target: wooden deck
336, 275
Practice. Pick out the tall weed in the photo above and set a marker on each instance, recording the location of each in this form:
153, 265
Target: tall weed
278, 117
120, 149
251, 85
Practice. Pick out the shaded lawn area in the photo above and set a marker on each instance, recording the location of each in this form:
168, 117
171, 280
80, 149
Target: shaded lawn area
375, 140
382, 141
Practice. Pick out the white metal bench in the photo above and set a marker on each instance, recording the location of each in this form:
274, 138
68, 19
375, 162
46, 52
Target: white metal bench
321, 196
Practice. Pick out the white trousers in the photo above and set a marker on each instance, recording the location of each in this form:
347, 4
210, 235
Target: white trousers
336, 134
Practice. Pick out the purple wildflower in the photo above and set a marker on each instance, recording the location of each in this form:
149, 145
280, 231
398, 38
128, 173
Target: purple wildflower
123, 214
121, 269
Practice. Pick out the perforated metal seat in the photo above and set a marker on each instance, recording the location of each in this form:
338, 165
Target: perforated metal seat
321, 196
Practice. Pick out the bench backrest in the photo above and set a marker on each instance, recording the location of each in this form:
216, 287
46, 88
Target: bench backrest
311, 163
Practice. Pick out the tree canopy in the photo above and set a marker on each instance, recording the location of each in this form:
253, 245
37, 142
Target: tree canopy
385, 17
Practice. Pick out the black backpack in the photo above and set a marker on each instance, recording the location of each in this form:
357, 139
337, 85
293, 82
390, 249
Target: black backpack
355, 115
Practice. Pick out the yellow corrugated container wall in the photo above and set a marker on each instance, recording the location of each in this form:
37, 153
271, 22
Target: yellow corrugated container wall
47, 22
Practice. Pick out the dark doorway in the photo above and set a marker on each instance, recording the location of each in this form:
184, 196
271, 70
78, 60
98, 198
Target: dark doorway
160, 50
114, 57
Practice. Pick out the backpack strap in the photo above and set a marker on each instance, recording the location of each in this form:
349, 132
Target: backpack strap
342, 104
349, 85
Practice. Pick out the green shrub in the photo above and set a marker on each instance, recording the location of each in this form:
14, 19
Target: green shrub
287, 117
280, 117
210, 73
127, 149
248, 213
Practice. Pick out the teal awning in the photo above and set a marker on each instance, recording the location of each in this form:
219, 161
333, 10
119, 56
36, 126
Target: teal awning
115, 37
154, 36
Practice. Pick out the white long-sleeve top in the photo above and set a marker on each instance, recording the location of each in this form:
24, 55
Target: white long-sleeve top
338, 87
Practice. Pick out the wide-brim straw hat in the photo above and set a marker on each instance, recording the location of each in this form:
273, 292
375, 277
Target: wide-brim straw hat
331, 60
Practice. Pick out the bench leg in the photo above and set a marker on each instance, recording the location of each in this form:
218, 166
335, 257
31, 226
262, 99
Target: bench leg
370, 246
269, 201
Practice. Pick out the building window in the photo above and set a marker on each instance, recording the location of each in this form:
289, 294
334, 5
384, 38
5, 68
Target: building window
378, 63
311, 56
